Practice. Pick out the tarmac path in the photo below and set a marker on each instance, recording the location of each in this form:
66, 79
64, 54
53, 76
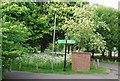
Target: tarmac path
29, 75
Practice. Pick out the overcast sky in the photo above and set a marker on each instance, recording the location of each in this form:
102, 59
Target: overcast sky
109, 3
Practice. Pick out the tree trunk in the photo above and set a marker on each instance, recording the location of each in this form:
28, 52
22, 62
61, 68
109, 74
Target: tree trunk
93, 53
110, 53
78, 46
103, 53
119, 50
118, 36
71, 48
87, 49
42, 48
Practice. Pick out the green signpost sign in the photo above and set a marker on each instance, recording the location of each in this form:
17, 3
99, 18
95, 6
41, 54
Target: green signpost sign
68, 41
114, 48
62, 41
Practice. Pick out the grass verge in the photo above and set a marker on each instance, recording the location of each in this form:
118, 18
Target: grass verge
111, 62
93, 70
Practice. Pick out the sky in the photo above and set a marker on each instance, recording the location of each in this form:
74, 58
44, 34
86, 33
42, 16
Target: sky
108, 3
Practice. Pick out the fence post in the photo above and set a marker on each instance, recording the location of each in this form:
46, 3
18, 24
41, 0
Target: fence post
10, 65
36, 67
108, 60
98, 63
94, 63
102, 60
20, 66
115, 61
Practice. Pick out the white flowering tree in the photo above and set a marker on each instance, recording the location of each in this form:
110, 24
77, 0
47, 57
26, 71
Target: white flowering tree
82, 28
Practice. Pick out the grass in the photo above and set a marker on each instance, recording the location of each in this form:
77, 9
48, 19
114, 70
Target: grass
59, 70
106, 58
111, 62
28, 63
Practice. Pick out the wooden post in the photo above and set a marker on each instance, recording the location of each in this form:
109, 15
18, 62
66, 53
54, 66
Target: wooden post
102, 60
10, 65
36, 67
115, 61
20, 66
108, 60
98, 63
94, 63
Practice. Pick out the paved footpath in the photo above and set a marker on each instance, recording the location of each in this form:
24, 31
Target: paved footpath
29, 75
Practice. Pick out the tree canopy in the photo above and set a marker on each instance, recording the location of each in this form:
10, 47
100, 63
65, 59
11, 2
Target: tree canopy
82, 27
29, 25
110, 17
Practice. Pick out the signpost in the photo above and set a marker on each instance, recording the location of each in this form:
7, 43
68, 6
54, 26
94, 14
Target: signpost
114, 48
66, 42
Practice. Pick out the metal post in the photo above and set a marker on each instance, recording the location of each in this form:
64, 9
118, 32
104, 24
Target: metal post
65, 57
68, 49
53, 43
114, 54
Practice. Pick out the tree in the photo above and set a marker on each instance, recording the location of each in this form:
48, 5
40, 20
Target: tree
110, 17
82, 28
118, 34
14, 33
35, 19
63, 12
42, 31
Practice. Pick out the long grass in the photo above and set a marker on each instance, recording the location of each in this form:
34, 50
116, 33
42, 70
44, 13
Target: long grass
43, 61
28, 63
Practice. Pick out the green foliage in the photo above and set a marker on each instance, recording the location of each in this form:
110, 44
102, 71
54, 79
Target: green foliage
14, 32
82, 27
110, 17
32, 23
